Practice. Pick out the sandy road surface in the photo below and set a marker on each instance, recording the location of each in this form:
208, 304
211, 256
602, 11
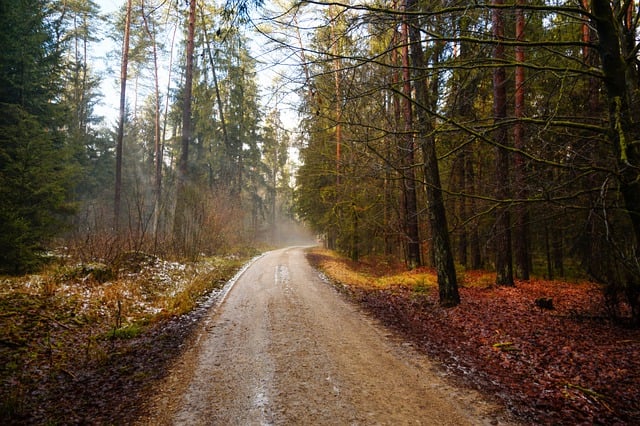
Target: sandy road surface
285, 348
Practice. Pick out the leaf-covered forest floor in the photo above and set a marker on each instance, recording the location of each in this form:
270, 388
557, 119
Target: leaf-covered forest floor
85, 343
566, 365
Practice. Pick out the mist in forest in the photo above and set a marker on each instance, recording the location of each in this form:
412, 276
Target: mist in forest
287, 232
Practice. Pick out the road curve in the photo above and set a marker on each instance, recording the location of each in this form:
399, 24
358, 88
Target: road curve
285, 348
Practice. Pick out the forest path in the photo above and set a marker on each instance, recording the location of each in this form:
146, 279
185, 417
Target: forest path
285, 348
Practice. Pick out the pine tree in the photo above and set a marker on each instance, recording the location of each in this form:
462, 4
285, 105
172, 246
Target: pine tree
35, 165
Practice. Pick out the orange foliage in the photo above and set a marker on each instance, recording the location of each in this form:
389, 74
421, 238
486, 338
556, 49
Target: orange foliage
568, 365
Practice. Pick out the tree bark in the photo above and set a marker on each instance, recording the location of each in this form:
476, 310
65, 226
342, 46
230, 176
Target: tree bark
504, 262
521, 227
442, 253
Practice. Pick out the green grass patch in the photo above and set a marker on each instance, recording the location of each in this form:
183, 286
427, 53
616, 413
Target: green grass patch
127, 332
423, 287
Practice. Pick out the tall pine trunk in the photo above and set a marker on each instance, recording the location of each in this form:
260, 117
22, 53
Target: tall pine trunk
407, 158
120, 136
504, 262
180, 220
157, 143
521, 226
396, 112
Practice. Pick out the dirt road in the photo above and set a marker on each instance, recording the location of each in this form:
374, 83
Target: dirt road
285, 348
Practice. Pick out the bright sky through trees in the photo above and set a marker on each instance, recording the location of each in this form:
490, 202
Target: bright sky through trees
106, 57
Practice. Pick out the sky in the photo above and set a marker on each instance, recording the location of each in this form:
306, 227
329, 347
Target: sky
109, 86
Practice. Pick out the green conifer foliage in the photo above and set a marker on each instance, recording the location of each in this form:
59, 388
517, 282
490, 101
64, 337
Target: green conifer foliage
35, 168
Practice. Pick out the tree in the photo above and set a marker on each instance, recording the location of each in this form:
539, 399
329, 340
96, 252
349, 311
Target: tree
180, 225
618, 48
157, 142
77, 22
504, 263
407, 153
521, 237
36, 168
275, 143
462, 106
443, 256
122, 116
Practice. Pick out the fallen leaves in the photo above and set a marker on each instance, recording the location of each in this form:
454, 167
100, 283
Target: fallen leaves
569, 365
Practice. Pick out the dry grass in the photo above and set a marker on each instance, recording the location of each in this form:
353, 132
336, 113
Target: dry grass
372, 273
72, 317
379, 273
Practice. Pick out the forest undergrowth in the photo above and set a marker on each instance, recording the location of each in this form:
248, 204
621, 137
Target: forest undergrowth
82, 343
567, 365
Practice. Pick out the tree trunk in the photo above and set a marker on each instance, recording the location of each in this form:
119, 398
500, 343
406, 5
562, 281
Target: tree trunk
467, 87
396, 111
407, 154
547, 246
557, 251
223, 123
157, 152
443, 256
474, 237
521, 227
462, 207
180, 215
120, 135
337, 65
504, 263
623, 131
